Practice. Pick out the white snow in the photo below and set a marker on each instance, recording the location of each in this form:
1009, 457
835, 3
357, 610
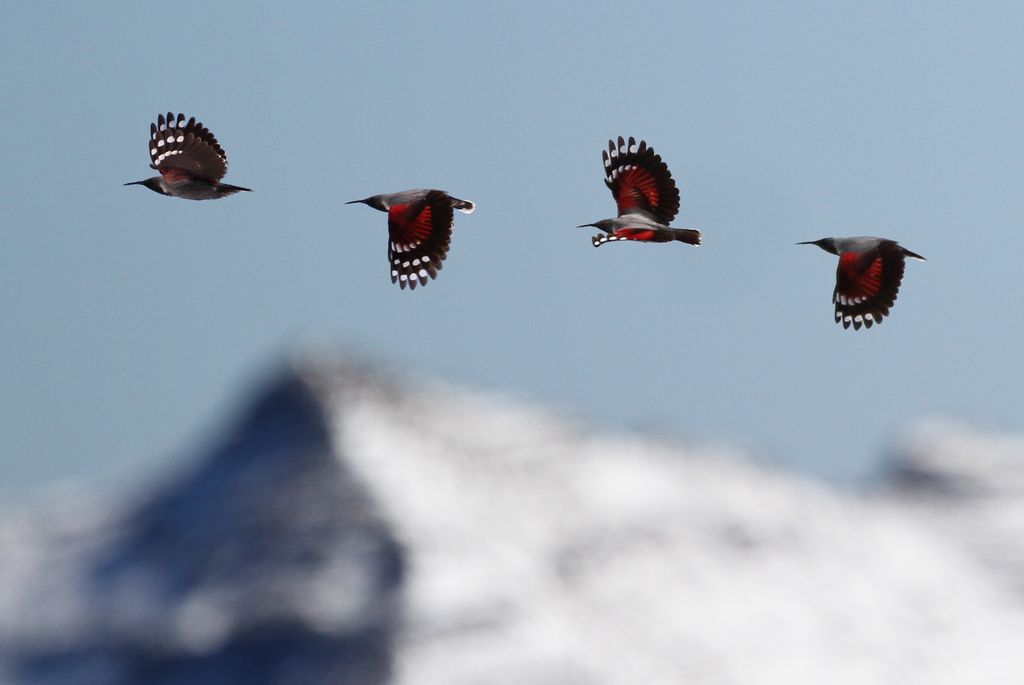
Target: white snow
542, 548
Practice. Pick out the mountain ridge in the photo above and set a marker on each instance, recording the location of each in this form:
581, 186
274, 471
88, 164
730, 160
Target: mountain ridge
360, 527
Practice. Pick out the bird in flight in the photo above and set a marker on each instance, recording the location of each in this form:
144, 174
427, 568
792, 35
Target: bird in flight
190, 160
868, 278
420, 226
646, 196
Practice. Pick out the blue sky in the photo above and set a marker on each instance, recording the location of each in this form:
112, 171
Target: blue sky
133, 322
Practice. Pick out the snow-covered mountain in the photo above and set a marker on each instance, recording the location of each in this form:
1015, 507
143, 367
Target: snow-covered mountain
358, 528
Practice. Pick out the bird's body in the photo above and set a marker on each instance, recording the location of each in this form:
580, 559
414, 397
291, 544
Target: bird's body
642, 228
192, 188
867, 279
646, 196
420, 226
190, 160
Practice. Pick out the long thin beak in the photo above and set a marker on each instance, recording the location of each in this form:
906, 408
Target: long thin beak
808, 242
135, 183
586, 225
355, 202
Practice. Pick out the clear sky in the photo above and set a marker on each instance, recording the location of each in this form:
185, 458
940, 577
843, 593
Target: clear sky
132, 322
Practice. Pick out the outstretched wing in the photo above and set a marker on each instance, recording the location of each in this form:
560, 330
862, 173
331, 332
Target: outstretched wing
640, 180
179, 150
867, 285
420, 233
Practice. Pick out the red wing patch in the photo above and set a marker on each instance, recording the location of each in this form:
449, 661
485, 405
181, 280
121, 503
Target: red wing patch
636, 188
647, 235
860, 276
420, 234
635, 233
410, 224
640, 180
866, 286
174, 175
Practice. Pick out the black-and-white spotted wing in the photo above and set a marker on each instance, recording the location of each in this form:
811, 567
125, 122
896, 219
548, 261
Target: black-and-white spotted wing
176, 146
419, 234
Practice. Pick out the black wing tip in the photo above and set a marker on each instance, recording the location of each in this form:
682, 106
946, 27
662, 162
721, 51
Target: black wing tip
861, 319
623, 146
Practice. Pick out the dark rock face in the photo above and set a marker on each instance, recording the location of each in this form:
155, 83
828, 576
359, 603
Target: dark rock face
277, 655
266, 564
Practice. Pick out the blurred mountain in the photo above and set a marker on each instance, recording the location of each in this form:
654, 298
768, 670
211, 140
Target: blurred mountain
355, 527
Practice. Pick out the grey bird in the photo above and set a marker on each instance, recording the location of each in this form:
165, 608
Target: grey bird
190, 160
868, 278
646, 196
420, 226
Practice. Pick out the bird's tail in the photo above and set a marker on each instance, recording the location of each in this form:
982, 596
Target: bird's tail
464, 206
690, 236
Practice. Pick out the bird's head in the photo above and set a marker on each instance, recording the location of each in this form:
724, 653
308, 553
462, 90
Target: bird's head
151, 183
375, 201
603, 224
827, 244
